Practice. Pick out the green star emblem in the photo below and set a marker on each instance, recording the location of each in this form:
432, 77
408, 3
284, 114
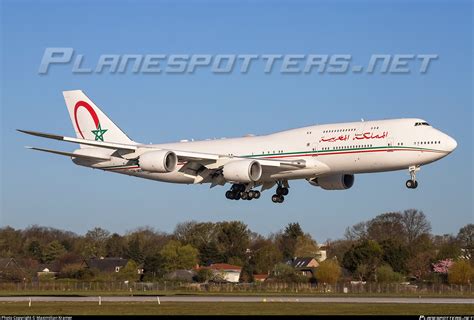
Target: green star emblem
99, 133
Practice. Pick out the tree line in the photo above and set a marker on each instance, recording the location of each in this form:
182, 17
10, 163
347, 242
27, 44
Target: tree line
392, 247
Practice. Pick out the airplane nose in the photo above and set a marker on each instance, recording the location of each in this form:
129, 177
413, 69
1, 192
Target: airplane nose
451, 144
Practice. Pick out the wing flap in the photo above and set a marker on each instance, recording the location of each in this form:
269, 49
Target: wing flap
282, 163
196, 156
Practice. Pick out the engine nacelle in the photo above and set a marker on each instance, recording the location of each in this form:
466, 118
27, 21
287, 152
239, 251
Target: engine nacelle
334, 182
160, 161
243, 171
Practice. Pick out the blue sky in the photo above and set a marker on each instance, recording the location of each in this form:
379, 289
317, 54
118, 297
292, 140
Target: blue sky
49, 190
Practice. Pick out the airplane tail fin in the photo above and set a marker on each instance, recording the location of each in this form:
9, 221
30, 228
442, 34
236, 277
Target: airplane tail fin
90, 122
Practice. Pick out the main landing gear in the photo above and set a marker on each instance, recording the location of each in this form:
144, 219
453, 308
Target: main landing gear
238, 191
281, 192
243, 191
412, 183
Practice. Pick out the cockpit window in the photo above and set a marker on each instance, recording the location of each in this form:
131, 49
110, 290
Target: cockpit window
422, 124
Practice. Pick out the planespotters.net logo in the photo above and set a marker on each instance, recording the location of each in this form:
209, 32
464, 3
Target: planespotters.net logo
55, 59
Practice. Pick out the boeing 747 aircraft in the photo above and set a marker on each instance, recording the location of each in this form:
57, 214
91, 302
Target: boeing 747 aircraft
327, 156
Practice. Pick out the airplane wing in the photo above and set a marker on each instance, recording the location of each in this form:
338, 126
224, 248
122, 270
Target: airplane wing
184, 156
202, 166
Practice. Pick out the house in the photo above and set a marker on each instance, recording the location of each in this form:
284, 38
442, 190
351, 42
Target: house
47, 270
224, 271
10, 270
322, 253
303, 265
108, 265
260, 277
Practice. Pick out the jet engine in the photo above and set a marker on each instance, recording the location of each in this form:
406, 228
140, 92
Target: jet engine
243, 171
334, 182
160, 161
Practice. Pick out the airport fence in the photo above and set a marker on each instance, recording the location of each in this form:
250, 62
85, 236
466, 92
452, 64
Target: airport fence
369, 288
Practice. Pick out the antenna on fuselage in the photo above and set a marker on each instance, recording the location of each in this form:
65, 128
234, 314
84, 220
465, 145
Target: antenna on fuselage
362, 119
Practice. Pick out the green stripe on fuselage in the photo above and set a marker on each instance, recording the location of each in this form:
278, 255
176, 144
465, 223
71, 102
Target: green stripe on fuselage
340, 150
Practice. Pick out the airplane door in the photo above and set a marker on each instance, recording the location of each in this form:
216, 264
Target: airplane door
360, 130
314, 147
390, 144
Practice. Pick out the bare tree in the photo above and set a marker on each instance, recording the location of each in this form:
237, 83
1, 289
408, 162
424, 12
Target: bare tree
386, 226
356, 232
183, 231
415, 224
337, 248
94, 242
466, 236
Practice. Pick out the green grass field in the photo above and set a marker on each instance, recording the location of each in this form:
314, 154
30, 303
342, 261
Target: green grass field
229, 308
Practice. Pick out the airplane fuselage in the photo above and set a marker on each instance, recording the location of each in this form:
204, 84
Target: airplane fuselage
354, 147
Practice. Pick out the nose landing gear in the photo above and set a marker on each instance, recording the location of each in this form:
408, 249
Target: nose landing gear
412, 183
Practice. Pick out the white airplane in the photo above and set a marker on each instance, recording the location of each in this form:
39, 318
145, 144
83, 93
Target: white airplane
326, 155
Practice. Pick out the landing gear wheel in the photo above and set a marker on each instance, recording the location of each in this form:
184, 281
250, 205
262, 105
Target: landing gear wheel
277, 198
256, 194
251, 194
237, 196
411, 184
282, 191
229, 195
244, 195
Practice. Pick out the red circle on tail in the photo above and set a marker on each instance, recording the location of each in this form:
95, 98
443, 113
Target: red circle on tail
91, 112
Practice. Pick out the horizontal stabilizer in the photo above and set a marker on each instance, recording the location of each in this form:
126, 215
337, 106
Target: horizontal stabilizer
70, 154
100, 144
